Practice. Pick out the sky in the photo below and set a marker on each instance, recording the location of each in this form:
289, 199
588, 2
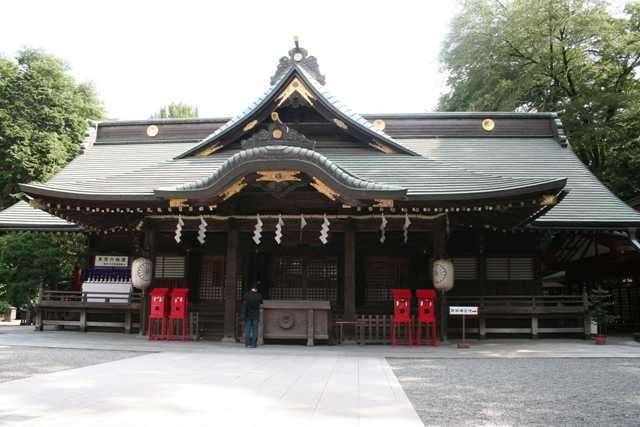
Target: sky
377, 56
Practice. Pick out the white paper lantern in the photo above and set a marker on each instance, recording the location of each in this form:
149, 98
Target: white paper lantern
443, 274
141, 270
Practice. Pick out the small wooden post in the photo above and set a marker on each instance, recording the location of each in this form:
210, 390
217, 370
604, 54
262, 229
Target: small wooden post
482, 322
587, 315
127, 322
534, 326
83, 320
260, 327
310, 328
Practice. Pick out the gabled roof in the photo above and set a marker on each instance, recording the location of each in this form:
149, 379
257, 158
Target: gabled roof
319, 99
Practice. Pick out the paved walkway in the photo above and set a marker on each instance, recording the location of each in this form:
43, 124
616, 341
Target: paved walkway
206, 383
232, 386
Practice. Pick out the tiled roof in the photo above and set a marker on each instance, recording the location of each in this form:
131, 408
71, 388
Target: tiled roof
21, 216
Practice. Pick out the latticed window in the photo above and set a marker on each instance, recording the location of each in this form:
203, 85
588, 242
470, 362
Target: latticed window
510, 269
304, 278
384, 273
212, 278
169, 267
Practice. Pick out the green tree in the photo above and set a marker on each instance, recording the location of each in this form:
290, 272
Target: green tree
30, 260
44, 114
569, 56
176, 110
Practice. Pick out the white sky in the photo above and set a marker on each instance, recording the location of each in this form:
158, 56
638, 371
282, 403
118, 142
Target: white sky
378, 56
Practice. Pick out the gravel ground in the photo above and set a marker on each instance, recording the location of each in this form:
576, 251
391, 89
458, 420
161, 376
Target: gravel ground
22, 362
532, 392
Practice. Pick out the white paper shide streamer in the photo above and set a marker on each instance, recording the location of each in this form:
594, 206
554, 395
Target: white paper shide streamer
303, 224
178, 235
202, 230
324, 230
279, 225
257, 231
405, 227
383, 229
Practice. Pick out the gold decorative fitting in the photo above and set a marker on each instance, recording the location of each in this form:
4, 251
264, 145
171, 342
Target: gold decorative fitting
298, 57
488, 124
549, 200
277, 176
177, 203
233, 189
152, 130
295, 86
340, 123
323, 188
381, 147
208, 151
276, 134
383, 203
379, 124
275, 116
36, 204
250, 125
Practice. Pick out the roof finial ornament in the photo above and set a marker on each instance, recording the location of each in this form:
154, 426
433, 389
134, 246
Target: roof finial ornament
298, 56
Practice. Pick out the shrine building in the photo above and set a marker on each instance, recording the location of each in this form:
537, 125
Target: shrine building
311, 201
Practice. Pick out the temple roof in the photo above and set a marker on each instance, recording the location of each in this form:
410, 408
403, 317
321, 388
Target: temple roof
21, 216
297, 126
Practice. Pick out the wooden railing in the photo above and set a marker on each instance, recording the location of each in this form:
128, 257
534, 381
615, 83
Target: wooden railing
376, 328
532, 304
71, 298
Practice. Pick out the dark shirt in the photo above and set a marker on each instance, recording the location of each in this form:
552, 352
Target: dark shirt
251, 305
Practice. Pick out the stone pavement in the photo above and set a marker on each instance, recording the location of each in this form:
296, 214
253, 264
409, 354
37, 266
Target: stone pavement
225, 385
207, 383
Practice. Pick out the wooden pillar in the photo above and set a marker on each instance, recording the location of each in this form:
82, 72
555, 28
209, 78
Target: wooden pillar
439, 246
349, 276
231, 272
149, 252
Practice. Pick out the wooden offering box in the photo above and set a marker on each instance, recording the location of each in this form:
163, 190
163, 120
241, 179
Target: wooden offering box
295, 320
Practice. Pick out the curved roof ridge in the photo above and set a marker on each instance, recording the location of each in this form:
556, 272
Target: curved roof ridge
291, 153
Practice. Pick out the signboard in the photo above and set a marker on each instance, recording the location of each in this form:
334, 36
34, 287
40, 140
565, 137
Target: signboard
111, 261
463, 311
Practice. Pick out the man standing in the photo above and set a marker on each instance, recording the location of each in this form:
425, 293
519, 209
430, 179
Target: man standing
251, 315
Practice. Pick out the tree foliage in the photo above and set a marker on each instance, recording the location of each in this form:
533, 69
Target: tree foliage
44, 114
30, 260
569, 56
176, 110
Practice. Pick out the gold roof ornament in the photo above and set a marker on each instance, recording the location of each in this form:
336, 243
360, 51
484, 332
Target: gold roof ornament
278, 176
152, 130
488, 124
250, 125
323, 188
296, 86
549, 200
233, 189
379, 124
340, 123
277, 133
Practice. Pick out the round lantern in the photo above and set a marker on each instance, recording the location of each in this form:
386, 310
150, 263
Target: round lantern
141, 270
443, 274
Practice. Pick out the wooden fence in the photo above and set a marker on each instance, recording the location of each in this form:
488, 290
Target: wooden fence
88, 309
496, 315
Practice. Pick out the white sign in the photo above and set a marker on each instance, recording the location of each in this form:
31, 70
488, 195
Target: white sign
111, 261
463, 311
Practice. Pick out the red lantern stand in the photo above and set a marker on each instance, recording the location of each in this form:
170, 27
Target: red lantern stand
401, 315
158, 313
426, 314
179, 314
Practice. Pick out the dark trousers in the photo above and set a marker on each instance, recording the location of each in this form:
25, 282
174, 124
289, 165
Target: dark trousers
251, 332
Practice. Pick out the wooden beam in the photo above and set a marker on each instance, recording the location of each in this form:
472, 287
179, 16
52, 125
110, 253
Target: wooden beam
349, 276
231, 271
